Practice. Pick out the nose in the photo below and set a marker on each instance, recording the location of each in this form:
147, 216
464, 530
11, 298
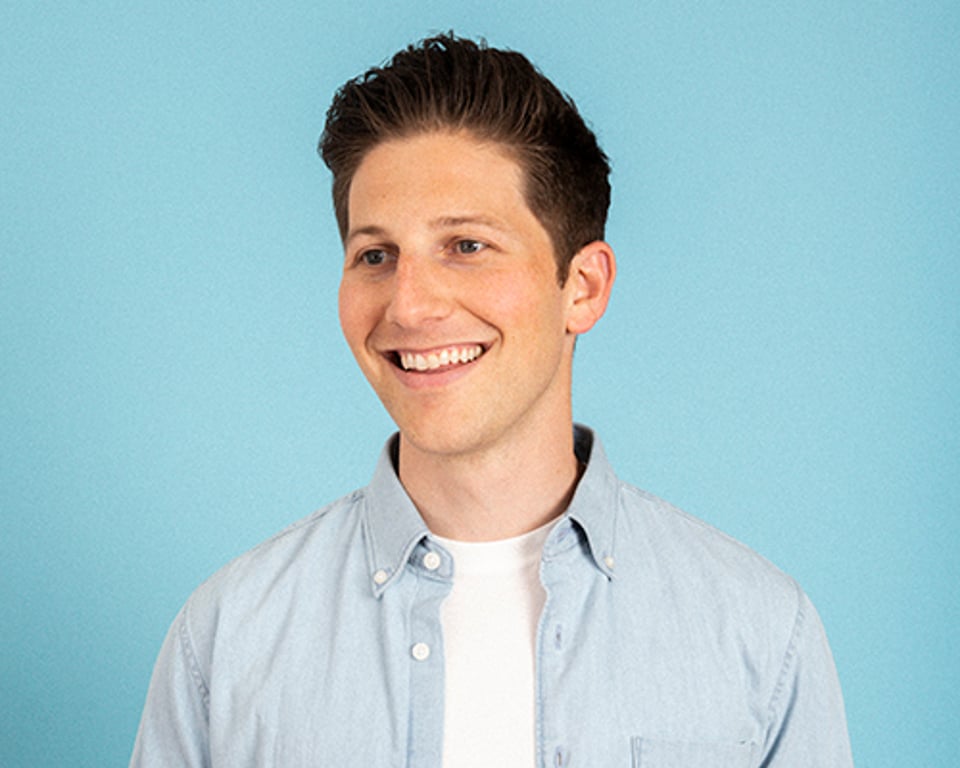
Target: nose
419, 293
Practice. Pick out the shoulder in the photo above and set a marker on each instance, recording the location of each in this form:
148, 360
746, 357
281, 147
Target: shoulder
290, 549
689, 557
718, 595
255, 592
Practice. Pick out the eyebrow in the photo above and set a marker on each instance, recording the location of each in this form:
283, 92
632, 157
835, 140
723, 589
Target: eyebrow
457, 221
443, 222
370, 229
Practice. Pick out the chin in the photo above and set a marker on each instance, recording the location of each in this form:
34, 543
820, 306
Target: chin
439, 440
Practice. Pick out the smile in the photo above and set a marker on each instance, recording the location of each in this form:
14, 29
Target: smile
438, 358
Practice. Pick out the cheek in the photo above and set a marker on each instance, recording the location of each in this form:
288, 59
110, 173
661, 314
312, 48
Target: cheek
531, 324
353, 313
528, 303
517, 292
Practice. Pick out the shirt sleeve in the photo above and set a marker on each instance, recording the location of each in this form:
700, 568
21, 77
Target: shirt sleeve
174, 727
808, 726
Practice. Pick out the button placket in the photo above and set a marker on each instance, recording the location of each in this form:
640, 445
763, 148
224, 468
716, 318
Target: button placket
425, 654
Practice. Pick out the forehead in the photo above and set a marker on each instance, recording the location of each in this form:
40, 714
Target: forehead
433, 170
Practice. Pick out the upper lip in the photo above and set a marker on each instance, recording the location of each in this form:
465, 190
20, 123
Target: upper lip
438, 348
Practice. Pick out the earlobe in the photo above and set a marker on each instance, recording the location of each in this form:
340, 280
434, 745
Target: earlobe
592, 272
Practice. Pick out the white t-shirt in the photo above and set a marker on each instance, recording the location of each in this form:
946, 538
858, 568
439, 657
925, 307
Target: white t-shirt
489, 624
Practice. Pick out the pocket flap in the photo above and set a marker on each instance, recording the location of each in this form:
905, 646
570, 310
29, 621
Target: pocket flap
659, 753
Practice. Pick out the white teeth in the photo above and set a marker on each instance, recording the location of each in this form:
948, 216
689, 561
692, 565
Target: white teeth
432, 360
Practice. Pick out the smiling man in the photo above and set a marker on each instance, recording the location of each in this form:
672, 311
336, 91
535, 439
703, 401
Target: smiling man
451, 304
496, 596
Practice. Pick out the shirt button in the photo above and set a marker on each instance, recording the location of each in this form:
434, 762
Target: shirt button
431, 561
608, 561
420, 651
380, 577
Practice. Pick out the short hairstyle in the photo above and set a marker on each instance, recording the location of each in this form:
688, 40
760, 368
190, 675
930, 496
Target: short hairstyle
451, 83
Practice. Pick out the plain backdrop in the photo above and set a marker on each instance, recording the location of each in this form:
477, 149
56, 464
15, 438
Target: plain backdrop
781, 356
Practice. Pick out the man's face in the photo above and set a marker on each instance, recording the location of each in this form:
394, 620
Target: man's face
449, 298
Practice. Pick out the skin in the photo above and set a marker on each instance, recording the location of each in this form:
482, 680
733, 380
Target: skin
443, 258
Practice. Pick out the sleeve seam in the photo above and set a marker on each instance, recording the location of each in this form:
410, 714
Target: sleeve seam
186, 643
790, 655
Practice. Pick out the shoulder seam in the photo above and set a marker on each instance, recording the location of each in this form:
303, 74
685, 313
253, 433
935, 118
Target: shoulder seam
303, 522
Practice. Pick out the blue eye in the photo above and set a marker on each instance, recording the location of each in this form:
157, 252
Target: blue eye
374, 257
469, 247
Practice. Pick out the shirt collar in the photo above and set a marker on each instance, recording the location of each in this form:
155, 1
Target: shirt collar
394, 528
392, 524
595, 502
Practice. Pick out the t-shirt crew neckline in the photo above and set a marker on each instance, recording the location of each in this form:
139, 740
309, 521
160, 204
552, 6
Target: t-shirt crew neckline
501, 555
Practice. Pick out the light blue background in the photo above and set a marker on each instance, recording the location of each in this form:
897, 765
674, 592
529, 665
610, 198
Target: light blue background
781, 357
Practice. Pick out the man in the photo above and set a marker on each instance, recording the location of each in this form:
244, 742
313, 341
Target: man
496, 596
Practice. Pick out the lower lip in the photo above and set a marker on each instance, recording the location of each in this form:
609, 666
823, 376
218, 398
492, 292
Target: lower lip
435, 378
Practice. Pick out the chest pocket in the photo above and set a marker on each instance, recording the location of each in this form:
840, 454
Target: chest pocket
657, 753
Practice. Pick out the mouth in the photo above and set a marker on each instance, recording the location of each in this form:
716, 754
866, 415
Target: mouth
438, 359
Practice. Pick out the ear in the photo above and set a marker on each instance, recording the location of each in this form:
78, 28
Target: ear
589, 281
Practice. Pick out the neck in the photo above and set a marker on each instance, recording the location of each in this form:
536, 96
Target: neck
496, 493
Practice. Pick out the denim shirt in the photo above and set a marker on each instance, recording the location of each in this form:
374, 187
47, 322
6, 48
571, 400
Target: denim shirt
663, 643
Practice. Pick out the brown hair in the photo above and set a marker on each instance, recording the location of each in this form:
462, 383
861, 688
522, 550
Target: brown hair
449, 83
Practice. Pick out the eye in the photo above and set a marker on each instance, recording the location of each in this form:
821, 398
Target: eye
373, 257
468, 247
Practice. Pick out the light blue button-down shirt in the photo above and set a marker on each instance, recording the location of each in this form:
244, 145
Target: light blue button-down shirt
663, 643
